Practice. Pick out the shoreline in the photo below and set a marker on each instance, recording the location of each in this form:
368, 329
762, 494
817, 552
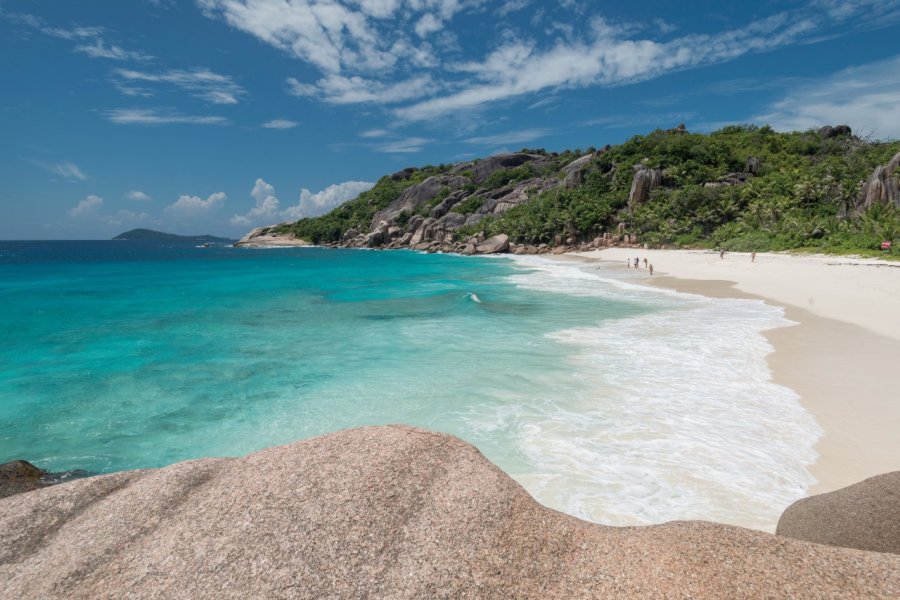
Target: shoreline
834, 358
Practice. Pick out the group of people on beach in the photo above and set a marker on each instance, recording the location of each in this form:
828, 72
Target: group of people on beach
647, 265
752, 255
637, 264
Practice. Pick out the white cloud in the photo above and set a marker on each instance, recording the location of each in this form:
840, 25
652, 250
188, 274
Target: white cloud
510, 137
375, 133
98, 49
427, 24
313, 205
73, 33
326, 34
404, 146
866, 97
380, 9
280, 124
266, 209
359, 35
192, 206
367, 51
66, 170
846, 9
201, 83
87, 206
69, 171
95, 48
137, 195
337, 89
141, 116
511, 6
606, 58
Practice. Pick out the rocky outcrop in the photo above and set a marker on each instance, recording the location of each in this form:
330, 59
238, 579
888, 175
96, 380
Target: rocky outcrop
448, 203
404, 174
865, 515
482, 169
575, 171
502, 199
264, 237
645, 181
835, 131
426, 214
435, 230
883, 187
383, 512
19, 476
752, 165
415, 196
493, 245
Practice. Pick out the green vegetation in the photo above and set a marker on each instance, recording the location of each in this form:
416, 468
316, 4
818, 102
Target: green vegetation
803, 197
469, 205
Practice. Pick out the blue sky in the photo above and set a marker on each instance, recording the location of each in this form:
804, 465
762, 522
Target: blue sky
213, 116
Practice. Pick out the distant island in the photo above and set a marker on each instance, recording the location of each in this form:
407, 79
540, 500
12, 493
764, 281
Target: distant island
149, 234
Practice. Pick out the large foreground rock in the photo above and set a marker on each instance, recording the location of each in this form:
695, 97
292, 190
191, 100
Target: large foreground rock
383, 512
865, 515
493, 245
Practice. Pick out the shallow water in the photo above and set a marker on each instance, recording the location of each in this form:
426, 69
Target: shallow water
615, 402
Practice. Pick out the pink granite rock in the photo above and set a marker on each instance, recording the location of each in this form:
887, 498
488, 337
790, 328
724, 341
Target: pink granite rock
383, 512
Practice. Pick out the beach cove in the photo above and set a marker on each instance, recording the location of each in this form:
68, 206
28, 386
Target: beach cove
840, 357
608, 399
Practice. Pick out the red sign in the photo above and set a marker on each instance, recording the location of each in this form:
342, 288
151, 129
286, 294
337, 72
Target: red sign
885, 245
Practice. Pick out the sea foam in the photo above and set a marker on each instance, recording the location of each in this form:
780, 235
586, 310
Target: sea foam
680, 418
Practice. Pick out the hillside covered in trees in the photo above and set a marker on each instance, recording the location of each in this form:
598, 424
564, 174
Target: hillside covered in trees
740, 188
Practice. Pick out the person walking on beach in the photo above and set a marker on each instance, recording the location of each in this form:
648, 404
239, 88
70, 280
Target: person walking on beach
722, 254
645, 262
651, 270
753, 257
637, 262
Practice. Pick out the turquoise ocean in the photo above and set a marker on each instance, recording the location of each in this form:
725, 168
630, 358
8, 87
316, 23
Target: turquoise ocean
613, 401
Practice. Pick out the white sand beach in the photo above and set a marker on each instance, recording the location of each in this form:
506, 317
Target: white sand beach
842, 358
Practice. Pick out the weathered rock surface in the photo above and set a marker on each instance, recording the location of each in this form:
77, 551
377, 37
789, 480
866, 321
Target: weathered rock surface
483, 169
502, 199
19, 476
645, 181
417, 195
752, 165
262, 237
883, 187
836, 131
575, 171
493, 245
865, 515
383, 512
